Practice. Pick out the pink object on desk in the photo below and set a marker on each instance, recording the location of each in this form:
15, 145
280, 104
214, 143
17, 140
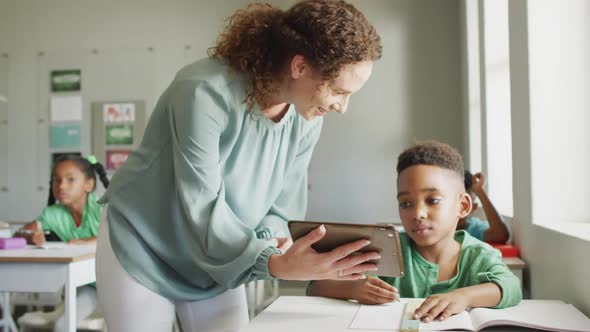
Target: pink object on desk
13, 243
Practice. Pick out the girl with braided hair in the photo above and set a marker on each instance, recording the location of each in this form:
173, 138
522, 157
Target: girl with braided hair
72, 215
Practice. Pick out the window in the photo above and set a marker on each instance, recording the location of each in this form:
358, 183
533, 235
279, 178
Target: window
559, 85
490, 138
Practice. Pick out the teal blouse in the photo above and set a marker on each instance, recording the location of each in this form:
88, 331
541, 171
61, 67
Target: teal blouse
193, 210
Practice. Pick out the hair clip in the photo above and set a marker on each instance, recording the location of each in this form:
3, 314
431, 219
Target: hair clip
91, 159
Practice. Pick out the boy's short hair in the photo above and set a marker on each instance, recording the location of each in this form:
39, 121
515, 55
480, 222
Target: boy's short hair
468, 180
431, 153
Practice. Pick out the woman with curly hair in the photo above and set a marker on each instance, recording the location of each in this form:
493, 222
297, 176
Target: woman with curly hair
202, 206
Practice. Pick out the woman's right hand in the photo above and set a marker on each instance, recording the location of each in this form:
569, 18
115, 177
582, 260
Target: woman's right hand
302, 262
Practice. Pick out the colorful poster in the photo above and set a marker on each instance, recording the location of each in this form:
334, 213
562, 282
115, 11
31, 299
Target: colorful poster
66, 108
119, 134
122, 112
66, 80
116, 158
65, 136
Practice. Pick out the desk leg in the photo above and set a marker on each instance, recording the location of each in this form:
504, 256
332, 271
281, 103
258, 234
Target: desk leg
259, 298
70, 302
251, 298
7, 322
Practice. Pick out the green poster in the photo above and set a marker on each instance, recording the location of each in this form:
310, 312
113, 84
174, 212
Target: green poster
119, 134
65, 136
66, 80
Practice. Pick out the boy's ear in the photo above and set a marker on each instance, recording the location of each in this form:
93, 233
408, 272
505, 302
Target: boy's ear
465, 205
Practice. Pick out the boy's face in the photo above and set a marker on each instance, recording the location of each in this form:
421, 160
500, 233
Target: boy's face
431, 201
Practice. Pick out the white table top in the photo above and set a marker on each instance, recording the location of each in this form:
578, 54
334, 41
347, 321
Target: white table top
52, 253
310, 314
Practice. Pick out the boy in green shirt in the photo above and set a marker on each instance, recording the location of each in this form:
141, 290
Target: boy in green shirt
451, 269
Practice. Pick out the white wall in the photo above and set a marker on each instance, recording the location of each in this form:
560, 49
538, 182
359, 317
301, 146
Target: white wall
558, 264
110, 41
414, 92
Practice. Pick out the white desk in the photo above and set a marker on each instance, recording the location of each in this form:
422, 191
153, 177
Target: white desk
311, 314
46, 270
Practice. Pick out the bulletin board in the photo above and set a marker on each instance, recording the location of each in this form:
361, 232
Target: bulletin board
117, 128
71, 82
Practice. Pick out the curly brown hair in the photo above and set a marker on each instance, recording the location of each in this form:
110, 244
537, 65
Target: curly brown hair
433, 153
261, 40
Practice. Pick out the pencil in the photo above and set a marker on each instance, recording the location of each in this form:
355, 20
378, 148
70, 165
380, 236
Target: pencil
28, 231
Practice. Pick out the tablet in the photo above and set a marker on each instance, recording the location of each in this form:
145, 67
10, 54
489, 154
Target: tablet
384, 240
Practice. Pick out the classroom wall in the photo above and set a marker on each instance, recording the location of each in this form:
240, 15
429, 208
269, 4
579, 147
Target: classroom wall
547, 184
414, 92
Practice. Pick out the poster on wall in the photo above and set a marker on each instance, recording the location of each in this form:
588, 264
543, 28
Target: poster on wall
119, 134
116, 158
66, 80
120, 112
68, 108
65, 136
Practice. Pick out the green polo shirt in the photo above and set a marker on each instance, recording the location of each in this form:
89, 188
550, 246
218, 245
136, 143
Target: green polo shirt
57, 218
479, 263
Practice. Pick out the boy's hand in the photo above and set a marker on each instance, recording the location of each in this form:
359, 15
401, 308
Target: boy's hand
478, 182
441, 306
373, 291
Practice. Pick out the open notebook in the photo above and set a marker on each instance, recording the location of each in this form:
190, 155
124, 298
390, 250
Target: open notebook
548, 316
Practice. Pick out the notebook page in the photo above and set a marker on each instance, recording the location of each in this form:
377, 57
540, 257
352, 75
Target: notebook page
546, 316
378, 317
460, 321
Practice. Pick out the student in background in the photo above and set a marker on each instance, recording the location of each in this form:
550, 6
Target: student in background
450, 268
492, 230
74, 219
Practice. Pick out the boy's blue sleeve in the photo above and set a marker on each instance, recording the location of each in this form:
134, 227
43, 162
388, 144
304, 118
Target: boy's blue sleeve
477, 227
